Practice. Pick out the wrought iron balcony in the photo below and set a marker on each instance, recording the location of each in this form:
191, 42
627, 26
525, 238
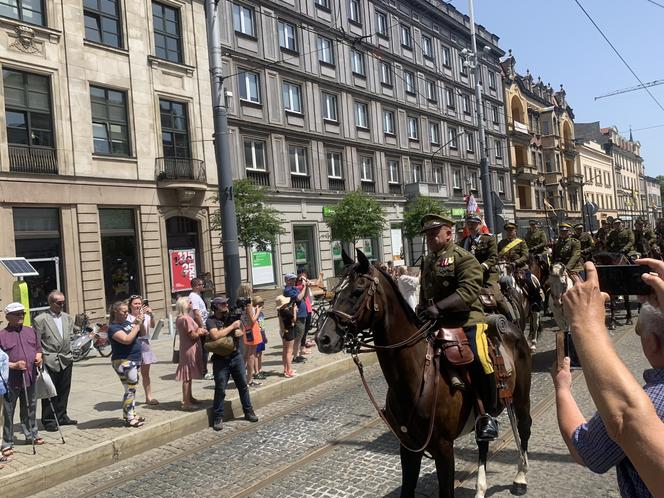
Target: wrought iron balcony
300, 181
258, 177
26, 159
337, 184
179, 169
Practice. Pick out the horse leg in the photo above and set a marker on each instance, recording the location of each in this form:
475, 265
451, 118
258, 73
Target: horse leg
480, 483
410, 471
628, 308
535, 329
521, 407
612, 307
445, 469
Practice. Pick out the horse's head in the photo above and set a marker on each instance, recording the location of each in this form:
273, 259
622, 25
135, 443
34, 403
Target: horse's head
359, 302
559, 280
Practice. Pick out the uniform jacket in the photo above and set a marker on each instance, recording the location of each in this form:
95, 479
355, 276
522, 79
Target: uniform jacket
517, 254
645, 241
568, 252
56, 349
450, 270
587, 244
621, 241
485, 250
536, 241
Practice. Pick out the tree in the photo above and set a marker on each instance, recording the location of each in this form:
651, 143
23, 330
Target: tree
258, 224
356, 216
415, 209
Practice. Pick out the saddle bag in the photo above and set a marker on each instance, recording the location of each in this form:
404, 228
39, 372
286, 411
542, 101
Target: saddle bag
455, 346
487, 299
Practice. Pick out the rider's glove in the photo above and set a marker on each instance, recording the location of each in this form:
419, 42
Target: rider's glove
431, 312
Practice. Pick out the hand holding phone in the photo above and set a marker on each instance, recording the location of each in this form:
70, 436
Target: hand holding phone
623, 280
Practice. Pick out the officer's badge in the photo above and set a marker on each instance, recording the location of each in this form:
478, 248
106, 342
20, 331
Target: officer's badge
445, 262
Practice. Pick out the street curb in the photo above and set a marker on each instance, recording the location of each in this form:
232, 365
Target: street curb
49, 474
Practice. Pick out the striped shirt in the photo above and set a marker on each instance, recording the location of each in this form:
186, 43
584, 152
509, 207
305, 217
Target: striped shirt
599, 452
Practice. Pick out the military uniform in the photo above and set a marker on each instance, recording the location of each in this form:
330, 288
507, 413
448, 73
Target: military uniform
568, 252
514, 252
587, 244
620, 240
645, 242
536, 241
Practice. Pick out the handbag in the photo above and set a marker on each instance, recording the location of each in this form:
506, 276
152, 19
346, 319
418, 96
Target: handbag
44, 387
176, 352
223, 346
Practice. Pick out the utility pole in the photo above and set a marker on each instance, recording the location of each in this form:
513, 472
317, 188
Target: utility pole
232, 277
485, 174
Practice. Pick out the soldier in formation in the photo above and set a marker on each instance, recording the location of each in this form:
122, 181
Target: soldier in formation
567, 250
449, 294
535, 239
602, 234
645, 240
585, 240
515, 250
621, 239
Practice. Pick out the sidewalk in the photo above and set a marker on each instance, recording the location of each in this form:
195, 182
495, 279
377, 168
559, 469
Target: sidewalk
100, 437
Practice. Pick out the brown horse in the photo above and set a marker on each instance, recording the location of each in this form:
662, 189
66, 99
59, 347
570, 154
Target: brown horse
368, 310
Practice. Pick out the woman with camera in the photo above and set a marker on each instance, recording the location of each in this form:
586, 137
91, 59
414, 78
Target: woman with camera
190, 366
252, 331
220, 324
137, 305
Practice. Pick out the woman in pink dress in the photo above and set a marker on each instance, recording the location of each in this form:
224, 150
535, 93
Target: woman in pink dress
191, 365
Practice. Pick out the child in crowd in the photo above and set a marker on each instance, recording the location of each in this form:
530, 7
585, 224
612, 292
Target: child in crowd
258, 303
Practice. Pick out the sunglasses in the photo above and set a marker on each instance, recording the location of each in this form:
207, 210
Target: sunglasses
60, 303
16, 313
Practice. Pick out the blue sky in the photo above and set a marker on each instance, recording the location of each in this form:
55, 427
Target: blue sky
556, 41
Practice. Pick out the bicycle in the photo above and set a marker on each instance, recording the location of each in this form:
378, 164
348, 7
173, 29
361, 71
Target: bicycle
320, 307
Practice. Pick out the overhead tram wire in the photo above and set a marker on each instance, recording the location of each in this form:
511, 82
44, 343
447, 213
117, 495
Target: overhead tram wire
619, 55
656, 3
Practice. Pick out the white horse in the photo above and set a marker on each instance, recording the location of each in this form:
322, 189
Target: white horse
560, 282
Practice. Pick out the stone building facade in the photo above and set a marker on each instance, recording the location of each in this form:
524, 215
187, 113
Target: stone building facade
106, 158
598, 183
653, 199
331, 96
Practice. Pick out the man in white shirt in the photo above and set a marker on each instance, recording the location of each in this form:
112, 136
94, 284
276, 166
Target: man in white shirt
55, 329
200, 314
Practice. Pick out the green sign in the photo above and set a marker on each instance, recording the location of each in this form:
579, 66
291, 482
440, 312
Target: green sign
336, 249
458, 212
261, 259
328, 211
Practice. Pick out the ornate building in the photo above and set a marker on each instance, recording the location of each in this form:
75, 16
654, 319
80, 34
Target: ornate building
598, 183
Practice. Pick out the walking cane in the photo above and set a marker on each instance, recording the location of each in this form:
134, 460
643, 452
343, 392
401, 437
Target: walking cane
25, 393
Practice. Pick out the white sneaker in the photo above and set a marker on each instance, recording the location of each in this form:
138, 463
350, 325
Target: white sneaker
209, 376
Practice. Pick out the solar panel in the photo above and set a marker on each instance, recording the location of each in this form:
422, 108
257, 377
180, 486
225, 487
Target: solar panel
19, 267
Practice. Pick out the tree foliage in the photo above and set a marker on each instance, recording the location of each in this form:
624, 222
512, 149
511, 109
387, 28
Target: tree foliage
415, 209
257, 223
356, 216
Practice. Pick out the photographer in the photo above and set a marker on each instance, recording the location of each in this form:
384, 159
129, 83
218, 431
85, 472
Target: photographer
297, 295
221, 324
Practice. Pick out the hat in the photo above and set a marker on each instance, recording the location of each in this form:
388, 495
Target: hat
474, 218
563, 227
301, 270
617, 220
578, 225
290, 276
219, 300
431, 221
13, 307
509, 225
532, 222
282, 301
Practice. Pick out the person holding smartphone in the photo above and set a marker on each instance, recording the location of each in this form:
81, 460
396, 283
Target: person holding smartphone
139, 306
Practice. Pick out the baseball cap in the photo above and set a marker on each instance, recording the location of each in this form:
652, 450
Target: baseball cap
219, 300
14, 307
290, 276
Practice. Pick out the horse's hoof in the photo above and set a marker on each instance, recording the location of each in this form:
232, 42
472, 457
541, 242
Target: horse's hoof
629, 322
519, 489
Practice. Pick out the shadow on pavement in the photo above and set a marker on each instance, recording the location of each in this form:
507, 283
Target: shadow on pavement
102, 423
108, 406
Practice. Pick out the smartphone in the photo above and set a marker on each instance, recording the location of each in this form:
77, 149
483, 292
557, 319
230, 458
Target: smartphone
145, 302
623, 280
570, 352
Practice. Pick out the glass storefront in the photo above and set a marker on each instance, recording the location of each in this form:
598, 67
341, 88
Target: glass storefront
119, 251
182, 235
304, 247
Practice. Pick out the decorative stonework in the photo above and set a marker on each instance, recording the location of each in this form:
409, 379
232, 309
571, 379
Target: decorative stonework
24, 41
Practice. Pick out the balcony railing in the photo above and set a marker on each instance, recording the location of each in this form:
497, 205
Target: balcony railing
300, 181
426, 189
258, 177
25, 159
179, 168
337, 184
369, 187
519, 127
395, 188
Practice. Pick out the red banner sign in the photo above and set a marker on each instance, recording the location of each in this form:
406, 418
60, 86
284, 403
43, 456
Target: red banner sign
183, 268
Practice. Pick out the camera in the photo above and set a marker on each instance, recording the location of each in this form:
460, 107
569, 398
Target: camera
235, 313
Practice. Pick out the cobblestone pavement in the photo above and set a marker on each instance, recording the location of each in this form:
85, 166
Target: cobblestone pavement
327, 442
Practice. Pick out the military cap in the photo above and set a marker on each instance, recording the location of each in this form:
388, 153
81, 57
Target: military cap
533, 222
474, 218
509, 225
617, 220
578, 225
431, 221
564, 226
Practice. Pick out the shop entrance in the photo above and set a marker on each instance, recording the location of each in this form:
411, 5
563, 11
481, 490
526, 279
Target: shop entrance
183, 233
305, 249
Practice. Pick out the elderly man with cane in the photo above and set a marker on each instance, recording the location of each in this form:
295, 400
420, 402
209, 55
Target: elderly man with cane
25, 354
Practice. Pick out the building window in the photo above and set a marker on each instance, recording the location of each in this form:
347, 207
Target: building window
418, 173
102, 22
109, 121
243, 20
385, 73
494, 114
413, 128
381, 24
355, 11
249, 86
167, 35
452, 138
492, 80
438, 176
393, 170
362, 115
470, 141
254, 155
499, 150
449, 95
389, 127
409, 82
297, 158
432, 93
427, 47
406, 40
325, 4
463, 68
325, 50
447, 57
434, 133
119, 253
366, 169
330, 107
335, 165
287, 36
357, 62
465, 103
456, 179
174, 129
473, 182
291, 96
30, 11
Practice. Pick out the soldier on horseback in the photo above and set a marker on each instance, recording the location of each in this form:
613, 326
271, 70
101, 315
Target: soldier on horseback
645, 240
449, 294
515, 251
585, 240
602, 234
535, 239
620, 239
483, 247
567, 250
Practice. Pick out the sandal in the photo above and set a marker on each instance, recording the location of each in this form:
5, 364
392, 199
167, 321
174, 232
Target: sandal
152, 402
7, 452
134, 422
7, 458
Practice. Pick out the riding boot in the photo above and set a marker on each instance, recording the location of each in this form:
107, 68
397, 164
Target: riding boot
486, 425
